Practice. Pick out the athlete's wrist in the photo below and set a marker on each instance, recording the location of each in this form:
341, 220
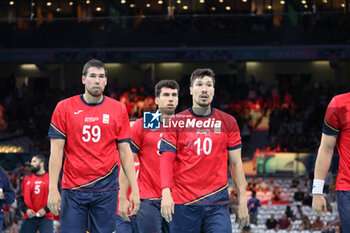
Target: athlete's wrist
317, 187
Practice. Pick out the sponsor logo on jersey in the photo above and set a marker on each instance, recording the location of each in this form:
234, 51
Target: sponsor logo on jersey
91, 119
105, 119
151, 120
77, 112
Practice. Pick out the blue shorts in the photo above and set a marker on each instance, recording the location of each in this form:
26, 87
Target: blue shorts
32, 225
124, 226
92, 211
343, 201
201, 218
149, 218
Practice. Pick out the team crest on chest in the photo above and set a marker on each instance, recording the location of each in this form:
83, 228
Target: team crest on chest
105, 119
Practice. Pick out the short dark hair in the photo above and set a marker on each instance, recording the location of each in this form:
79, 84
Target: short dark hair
172, 84
201, 73
94, 63
41, 158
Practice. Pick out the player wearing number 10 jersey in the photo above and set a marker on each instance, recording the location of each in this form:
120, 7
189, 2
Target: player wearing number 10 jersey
195, 153
145, 144
90, 128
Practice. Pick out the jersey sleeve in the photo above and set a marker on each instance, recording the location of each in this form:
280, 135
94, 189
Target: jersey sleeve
124, 126
331, 123
136, 136
58, 125
233, 135
168, 141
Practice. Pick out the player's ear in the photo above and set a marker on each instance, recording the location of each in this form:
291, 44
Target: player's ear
83, 79
191, 90
156, 100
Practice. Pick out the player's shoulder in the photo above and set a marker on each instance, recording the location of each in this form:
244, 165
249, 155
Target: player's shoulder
68, 100
219, 114
138, 123
342, 99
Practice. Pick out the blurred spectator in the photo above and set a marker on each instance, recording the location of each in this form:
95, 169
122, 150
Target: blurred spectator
253, 205
276, 195
261, 184
251, 185
299, 194
271, 223
305, 224
284, 223
328, 228
289, 211
307, 199
318, 224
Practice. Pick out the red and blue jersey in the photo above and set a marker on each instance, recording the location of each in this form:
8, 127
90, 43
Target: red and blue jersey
337, 122
35, 190
201, 144
146, 144
92, 132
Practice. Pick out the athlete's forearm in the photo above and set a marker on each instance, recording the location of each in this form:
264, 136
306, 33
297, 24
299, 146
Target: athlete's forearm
123, 184
324, 156
55, 162
127, 162
238, 174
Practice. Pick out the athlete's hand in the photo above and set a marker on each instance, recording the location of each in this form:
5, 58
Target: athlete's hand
242, 217
167, 205
40, 213
123, 208
319, 204
134, 201
30, 213
54, 201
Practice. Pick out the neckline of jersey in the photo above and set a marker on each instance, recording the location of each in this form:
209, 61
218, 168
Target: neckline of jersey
205, 116
92, 105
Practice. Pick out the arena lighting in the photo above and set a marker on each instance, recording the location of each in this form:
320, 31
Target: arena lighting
228, 8
244, 0
71, 3
28, 67
48, 3
98, 8
58, 9
201, 1
213, 8
324, 1
148, 5
178, 1
10, 149
185, 7
160, 2
122, 1
87, 1
303, 1
282, 2
343, 5
269, 7
33, 3
305, 6
221, 1
132, 5
11, 3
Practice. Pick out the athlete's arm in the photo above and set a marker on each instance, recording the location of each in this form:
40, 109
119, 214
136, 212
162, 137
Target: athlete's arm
123, 199
240, 183
323, 161
55, 165
127, 162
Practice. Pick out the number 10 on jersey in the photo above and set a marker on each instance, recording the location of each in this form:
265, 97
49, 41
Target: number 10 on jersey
206, 145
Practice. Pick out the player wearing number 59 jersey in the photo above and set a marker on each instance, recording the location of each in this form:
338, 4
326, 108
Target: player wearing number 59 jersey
90, 128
